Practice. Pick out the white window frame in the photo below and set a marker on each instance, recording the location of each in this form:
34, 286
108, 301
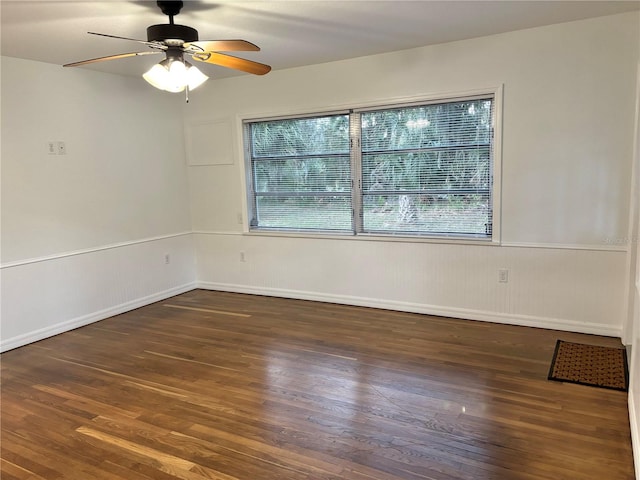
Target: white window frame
496, 234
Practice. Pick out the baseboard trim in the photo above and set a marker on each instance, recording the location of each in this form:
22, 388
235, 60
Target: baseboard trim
24, 339
437, 310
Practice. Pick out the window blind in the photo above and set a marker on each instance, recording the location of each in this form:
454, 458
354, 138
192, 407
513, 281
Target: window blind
427, 169
302, 174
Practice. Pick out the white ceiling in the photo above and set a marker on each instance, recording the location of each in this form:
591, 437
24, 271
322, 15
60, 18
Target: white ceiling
290, 33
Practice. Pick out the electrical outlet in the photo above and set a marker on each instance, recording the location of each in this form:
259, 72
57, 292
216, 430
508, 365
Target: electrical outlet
52, 148
503, 275
62, 148
242, 257
239, 218
167, 259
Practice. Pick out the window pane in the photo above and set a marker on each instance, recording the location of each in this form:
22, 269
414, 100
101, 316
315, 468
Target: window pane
427, 169
418, 213
300, 136
305, 212
301, 174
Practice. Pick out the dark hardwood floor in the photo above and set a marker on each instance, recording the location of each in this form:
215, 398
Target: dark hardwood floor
210, 385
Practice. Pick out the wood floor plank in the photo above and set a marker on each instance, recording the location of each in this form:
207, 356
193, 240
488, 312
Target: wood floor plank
208, 310
169, 461
214, 385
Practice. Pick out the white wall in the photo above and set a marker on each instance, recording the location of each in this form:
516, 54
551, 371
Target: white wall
84, 235
567, 148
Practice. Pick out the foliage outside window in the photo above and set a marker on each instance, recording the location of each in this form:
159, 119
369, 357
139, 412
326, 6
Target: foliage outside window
408, 170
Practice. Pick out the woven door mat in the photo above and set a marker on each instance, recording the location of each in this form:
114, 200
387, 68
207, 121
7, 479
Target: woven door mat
593, 365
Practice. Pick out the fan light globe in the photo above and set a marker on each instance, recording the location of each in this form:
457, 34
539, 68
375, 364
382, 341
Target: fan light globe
174, 76
156, 76
195, 77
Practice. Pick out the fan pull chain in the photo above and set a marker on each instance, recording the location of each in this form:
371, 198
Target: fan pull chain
186, 89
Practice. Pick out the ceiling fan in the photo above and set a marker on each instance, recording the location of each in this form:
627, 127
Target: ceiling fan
174, 74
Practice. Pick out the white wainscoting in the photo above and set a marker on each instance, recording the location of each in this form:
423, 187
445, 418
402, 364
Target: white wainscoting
47, 296
632, 401
557, 288
634, 373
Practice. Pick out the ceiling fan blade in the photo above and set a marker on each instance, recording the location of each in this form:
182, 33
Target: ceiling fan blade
222, 46
153, 44
110, 57
233, 62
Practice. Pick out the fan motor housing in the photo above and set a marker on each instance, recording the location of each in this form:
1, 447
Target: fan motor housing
162, 32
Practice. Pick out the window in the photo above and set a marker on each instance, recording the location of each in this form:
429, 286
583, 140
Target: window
422, 169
